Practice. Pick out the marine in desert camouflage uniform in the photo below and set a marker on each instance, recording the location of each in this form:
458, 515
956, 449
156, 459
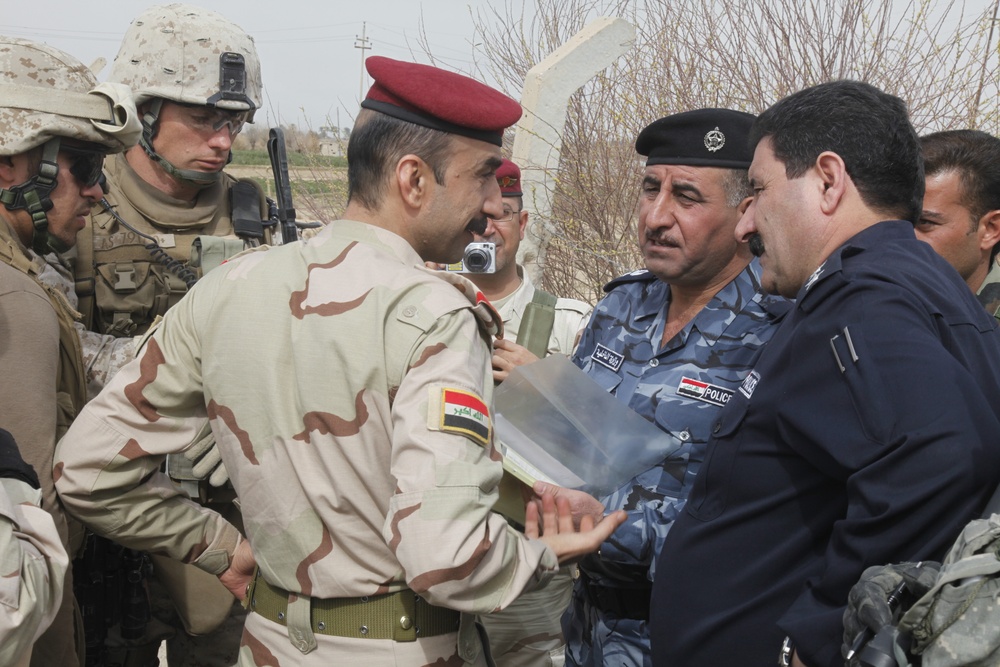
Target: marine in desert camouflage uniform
196, 80
56, 125
672, 342
354, 421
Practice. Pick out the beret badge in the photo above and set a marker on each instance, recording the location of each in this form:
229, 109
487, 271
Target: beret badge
714, 140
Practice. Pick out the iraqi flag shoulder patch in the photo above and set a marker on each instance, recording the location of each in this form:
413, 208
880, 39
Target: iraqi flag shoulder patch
464, 413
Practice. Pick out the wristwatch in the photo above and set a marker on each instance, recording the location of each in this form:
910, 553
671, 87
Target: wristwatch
787, 649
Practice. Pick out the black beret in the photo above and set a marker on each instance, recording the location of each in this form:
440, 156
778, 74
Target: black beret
699, 138
439, 99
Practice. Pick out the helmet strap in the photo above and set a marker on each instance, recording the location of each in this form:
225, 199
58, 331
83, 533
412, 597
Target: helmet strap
150, 121
33, 196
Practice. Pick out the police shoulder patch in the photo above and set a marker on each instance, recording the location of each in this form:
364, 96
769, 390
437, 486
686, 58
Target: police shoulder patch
462, 412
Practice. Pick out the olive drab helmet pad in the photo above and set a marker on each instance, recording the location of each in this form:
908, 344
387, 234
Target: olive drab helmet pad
46, 97
190, 56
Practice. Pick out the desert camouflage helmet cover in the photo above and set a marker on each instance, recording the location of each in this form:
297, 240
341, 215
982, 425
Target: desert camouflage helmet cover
191, 55
45, 93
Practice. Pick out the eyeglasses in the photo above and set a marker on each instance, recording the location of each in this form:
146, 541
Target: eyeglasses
86, 165
508, 215
208, 120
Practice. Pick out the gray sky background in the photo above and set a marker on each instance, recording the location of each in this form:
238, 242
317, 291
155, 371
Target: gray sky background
310, 66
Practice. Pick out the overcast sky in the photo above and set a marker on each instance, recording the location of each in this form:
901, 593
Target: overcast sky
311, 67
307, 48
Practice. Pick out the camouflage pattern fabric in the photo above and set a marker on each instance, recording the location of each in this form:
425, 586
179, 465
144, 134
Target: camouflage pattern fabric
529, 632
346, 387
955, 623
103, 354
34, 563
681, 389
989, 291
128, 280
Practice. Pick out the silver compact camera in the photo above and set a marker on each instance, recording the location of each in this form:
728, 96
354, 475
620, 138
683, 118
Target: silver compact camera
478, 258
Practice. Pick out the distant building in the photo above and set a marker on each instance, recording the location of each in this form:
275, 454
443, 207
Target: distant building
331, 147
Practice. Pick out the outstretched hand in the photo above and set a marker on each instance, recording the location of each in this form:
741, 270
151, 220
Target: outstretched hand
555, 526
581, 504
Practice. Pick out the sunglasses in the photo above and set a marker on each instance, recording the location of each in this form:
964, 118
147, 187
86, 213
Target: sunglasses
87, 166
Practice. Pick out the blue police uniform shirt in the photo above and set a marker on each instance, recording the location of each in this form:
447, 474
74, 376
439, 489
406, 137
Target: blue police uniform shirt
867, 433
680, 388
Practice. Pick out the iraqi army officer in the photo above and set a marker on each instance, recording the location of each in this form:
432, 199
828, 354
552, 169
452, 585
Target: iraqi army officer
56, 124
360, 443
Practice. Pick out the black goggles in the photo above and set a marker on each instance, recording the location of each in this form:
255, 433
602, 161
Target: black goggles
86, 165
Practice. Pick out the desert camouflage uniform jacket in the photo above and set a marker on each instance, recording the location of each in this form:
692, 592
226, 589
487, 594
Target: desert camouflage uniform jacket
680, 387
346, 386
33, 562
571, 315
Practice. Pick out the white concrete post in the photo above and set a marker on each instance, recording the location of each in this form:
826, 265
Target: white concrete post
548, 87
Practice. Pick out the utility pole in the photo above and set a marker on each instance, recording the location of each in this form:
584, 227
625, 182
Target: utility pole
364, 44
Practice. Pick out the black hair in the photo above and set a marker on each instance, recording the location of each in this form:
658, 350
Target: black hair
975, 156
869, 129
378, 142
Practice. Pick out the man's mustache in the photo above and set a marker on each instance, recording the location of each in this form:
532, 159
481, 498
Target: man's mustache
756, 245
477, 225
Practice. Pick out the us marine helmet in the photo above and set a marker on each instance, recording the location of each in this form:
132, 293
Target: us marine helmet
192, 56
49, 99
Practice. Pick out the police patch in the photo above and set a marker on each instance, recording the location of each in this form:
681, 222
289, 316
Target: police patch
703, 391
749, 384
465, 413
608, 358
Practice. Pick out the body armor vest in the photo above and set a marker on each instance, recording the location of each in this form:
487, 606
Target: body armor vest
126, 278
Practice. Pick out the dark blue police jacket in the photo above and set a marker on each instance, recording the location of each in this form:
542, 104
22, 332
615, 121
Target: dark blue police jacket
867, 433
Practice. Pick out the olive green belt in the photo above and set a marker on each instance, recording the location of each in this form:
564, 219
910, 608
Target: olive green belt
402, 616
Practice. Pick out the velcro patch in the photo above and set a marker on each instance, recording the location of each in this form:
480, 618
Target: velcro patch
465, 413
703, 391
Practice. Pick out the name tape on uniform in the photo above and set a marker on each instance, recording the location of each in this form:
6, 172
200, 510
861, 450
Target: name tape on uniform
608, 358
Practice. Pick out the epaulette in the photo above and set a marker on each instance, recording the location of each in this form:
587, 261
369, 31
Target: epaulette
486, 313
637, 276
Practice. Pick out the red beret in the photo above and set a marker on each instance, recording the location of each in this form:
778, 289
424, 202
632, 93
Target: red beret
439, 99
509, 178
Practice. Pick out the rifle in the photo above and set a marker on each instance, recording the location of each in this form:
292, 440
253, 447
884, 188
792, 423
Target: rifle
283, 208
